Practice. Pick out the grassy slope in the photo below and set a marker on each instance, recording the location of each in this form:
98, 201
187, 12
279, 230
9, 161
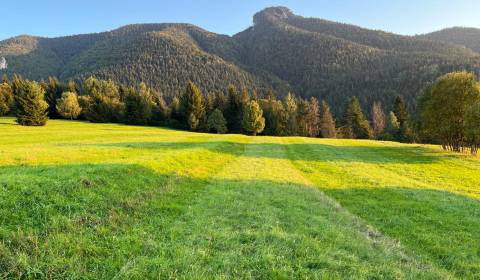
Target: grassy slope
81, 200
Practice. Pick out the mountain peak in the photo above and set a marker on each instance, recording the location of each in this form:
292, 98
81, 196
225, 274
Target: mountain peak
272, 14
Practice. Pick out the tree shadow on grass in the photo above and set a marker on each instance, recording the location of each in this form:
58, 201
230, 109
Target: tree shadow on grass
93, 219
316, 152
440, 225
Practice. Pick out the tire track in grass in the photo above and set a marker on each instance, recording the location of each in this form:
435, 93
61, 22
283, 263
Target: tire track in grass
259, 217
330, 178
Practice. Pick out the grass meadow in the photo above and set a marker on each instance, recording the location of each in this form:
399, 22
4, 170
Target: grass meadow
109, 201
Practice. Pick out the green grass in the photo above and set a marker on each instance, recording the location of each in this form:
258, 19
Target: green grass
106, 201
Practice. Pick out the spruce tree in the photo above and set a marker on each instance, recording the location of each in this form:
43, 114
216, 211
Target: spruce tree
192, 106
253, 120
31, 107
327, 122
355, 125
216, 122
233, 111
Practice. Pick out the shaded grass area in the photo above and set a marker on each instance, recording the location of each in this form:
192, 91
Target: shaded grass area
85, 201
432, 209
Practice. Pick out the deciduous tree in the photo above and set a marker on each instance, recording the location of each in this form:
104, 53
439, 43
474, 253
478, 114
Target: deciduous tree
253, 120
68, 106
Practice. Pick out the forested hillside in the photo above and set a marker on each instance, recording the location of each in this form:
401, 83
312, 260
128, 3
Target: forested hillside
281, 51
468, 37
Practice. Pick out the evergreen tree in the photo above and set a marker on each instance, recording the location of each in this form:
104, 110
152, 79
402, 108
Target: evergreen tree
6, 98
104, 101
253, 120
274, 114
327, 122
291, 114
378, 119
31, 107
138, 105
233, 111
175, 120
160, 110
68, 106
401, 112
53, 92
71, 86
302, 121
313, 119
391, 127
216, 122
192, 106
193, 122
355, 124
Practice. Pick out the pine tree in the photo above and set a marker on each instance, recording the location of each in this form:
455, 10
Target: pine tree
68, 106
31, 107
378, 119
327, 122
253, 120
355, 124
216, 122
192, 106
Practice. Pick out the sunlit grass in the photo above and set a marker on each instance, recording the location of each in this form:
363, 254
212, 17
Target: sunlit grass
80, 200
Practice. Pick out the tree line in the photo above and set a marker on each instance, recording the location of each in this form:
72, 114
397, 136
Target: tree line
448, 110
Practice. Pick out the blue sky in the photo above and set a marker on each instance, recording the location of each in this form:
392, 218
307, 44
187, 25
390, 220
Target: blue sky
65, 17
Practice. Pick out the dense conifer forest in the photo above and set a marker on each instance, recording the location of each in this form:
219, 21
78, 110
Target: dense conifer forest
281, 51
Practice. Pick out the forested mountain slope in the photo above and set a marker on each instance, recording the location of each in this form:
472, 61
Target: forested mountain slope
333, 60
468, 37
282, 51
